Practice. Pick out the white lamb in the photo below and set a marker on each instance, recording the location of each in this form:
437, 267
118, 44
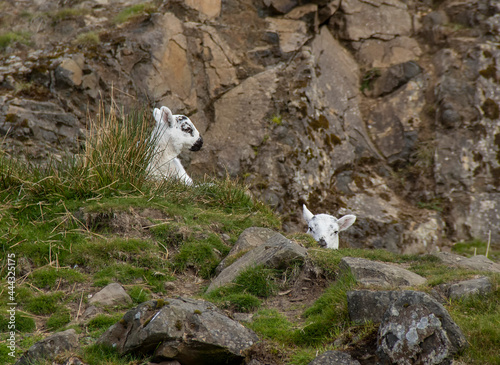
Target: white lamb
172, 134
325, 228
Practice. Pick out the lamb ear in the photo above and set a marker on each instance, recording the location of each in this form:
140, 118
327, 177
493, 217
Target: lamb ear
306, 213
164, 115
346, 221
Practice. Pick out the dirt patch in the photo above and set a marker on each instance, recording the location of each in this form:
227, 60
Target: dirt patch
131, 223
265, 353
364, 349
309, 285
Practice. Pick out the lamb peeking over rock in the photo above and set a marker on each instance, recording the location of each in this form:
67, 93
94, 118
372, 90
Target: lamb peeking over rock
325, 228
172, 134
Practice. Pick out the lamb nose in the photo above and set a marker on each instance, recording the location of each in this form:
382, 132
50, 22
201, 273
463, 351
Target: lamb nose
322, 242
197, 145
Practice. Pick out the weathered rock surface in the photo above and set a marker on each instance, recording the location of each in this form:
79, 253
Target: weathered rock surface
478, 262
277, 252
367, 305
462, 289
50, 347
249, 239
334, 357
376, 274
187, 330
417, 327
111, 294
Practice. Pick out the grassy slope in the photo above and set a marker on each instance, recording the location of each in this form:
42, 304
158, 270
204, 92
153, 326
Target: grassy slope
63, 224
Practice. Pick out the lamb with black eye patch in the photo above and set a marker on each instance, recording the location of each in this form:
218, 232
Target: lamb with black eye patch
172, 134
325, 228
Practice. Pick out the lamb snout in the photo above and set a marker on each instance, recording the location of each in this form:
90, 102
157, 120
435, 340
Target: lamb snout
322, 243
197, 145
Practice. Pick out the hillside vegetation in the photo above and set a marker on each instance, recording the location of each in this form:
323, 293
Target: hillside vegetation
79, 224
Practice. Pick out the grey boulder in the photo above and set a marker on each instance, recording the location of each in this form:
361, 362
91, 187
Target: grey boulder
418, 327
187, 330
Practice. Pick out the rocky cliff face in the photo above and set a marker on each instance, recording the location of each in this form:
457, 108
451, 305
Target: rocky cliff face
385, 109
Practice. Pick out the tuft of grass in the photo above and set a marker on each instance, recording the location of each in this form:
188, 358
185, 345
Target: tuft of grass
277, 120
66, 13
272, 325
8, 38
200, 256
127, 274
139, 294
22, 323
88, 39
134, 11
47, 277
260, 281
59, 319
369, 78
100, 323
243, 294
44, 303
99, 354
118, 150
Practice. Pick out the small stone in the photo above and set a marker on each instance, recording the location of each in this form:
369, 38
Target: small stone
112, 294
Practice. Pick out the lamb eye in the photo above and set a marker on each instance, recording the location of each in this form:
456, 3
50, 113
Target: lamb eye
310, 229
187, 129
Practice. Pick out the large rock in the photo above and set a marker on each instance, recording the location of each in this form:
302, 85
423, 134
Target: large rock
277, 252
462, 289
367, 305
376, 274
374, 19
210, 8
377, 53
334, 357
292, 33
42, 121
246, 104
50, 347
249, 239
417, 327
187, 330
70, 71
394, 77
478, 262
111, 294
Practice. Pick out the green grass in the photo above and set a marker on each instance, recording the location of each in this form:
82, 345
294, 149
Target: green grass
328, 315
476, 246
22, 323
58, 320
44, 303
139, 294
134, 11
7, 38
259, 281
243, 295
479, 319
88, 39
50, 277
102, 354
272, 325
66, 13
